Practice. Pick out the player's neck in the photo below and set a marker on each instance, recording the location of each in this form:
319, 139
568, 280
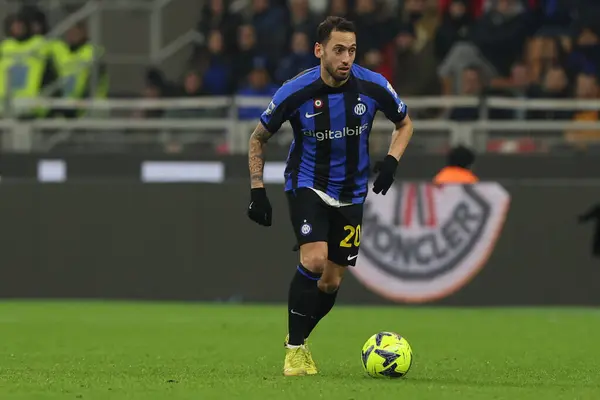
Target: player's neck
329, 81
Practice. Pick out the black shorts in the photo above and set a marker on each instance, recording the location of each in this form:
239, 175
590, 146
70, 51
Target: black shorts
315, 221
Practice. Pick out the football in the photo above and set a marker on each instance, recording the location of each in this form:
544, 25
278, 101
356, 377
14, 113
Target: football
387, 355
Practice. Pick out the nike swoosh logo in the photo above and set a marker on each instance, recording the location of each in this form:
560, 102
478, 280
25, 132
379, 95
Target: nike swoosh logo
350, 258
297, 313
307, 115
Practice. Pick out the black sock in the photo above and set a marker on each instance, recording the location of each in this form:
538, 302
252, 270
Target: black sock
325, 302
302, 300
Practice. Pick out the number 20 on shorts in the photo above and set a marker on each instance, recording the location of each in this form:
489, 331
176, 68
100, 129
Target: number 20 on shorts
353, 237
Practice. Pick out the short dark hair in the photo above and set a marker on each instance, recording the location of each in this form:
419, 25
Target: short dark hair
331, 24
460, 156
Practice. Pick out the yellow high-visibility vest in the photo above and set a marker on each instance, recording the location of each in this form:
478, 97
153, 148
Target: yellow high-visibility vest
22, 66
75, 69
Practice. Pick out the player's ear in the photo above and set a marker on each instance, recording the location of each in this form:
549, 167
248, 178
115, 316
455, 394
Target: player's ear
318, 50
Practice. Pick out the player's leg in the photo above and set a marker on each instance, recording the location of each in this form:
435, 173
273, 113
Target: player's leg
311, 225
343, 246
327, 290
302, 295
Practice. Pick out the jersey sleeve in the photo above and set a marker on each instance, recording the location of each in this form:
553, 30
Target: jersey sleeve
278, 110
389, 103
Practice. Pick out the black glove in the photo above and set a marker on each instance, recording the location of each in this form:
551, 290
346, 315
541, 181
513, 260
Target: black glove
259, 209
387, 170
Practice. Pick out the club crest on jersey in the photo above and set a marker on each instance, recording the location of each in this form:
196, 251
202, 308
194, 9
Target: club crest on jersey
422, 243
360, 109
318, 103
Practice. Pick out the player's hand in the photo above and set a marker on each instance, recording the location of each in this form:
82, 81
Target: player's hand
259, 209
386, 170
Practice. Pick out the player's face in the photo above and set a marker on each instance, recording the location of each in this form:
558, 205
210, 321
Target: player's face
337, 55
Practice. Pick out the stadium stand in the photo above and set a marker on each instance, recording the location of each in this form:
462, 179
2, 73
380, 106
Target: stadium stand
507, 51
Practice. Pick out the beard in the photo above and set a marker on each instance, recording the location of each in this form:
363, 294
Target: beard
335, 74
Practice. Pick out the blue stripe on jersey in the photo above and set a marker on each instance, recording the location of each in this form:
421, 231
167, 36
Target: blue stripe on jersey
362, 177
368, 75
306, 170
337, 126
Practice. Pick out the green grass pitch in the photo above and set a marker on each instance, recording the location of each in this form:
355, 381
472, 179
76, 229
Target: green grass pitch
96, 350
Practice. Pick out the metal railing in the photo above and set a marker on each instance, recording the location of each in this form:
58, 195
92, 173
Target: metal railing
27, 135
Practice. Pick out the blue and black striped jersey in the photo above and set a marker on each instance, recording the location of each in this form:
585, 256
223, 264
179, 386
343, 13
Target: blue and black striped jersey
330, 150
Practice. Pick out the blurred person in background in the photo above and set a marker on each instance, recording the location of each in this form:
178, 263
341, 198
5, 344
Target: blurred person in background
216, 66
339, 8
455, 27
555, 85
497, 38
500, 34
301, 58
75, 59
517, 86
457, 171
586, 88
374, 60
26, 59
259, 85
585, 55
243, 61
194, 86
551, 26
368, 21
155, 87
472, 85
544, 53
270, 23
423, 18
215, 15
37, 18
414, 67
302, 19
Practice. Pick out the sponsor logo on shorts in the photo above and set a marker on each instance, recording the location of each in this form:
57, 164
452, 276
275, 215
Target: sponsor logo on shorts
421, 242
306, 228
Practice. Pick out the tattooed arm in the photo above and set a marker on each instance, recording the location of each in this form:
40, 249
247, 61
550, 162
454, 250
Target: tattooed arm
256, 155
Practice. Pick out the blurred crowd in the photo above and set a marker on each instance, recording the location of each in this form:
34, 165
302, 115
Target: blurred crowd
517, 48
511, 48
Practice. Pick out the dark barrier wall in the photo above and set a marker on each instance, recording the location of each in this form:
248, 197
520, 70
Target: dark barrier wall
193, 242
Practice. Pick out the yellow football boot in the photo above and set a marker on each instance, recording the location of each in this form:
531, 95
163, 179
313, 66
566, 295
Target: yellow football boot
309, 365
295, 362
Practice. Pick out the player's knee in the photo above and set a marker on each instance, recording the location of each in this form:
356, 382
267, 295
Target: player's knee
314, 262
329, 285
